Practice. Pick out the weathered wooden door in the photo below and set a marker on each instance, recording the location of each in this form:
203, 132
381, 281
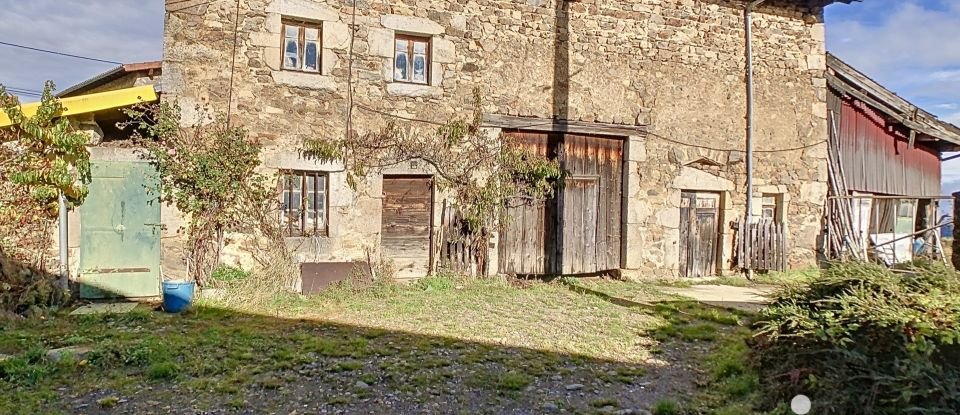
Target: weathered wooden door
120, 232
578, 231
699, 233
407, 221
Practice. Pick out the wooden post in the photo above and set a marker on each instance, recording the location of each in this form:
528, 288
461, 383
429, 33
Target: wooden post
955, 255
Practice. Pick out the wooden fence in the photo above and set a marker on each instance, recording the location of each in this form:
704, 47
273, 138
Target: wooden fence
768, 245
461, 250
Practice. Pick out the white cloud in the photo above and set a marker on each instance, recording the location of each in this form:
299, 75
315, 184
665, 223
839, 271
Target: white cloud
953, 118
909, 48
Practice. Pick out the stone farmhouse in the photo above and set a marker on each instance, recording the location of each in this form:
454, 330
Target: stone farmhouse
642, 101
644, 104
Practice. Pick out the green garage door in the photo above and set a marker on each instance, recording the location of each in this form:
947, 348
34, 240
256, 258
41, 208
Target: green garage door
120, 232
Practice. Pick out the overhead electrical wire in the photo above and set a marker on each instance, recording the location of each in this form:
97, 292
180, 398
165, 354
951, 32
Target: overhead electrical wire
649, 134
189, 5
53, 52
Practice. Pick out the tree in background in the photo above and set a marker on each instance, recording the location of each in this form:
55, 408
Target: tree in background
41, 156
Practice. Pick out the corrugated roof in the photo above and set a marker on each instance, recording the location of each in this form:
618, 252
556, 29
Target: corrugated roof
847, 80
110, 75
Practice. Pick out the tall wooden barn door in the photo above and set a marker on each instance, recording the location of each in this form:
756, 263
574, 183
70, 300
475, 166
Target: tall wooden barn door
578, 231
407, 221
699, 233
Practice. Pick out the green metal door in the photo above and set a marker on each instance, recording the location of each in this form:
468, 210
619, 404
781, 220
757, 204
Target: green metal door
120, 232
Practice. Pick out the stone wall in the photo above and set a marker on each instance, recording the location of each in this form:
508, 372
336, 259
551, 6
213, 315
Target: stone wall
674, 65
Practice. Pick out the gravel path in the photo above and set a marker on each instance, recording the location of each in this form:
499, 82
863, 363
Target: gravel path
459, 384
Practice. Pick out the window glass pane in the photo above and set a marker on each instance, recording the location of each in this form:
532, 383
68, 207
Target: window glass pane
292, 31
311, 33
420, 47
310, 56
420, 68
400, 67
285, 194
401, 45
291, 54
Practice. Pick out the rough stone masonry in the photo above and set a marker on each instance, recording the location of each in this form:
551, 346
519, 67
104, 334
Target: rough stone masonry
676, 66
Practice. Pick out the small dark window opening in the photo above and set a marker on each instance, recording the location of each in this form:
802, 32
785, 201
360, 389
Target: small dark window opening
303, 203
411, 59
771, 207
301, 46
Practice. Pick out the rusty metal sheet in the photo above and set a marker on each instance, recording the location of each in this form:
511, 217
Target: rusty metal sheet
878, 158
315, 276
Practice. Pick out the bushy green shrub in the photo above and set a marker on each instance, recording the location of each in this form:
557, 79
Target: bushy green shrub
228, 273
861, 338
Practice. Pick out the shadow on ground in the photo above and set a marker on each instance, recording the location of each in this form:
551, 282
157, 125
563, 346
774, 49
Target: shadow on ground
213, 361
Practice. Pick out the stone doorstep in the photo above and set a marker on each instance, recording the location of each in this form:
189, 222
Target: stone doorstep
104, 308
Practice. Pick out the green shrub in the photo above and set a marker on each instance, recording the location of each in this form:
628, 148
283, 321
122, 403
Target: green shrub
437, 283
26, 369
229, 273
865, 339
666, 407
163, 370
513, 381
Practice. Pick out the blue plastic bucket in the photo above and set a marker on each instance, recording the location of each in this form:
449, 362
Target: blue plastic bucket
177, 295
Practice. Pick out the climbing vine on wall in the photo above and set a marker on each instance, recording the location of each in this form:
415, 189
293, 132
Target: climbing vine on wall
483, 173
208, 170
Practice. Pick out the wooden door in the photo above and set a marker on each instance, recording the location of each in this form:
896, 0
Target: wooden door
120, 232
578, 230
406, 224
699, 233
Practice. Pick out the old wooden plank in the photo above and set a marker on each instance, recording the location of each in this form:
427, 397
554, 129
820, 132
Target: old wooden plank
685, 227
590, 225
562, 126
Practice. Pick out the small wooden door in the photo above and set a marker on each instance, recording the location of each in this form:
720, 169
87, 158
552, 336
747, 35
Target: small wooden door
699, 233
120, 232
406, 224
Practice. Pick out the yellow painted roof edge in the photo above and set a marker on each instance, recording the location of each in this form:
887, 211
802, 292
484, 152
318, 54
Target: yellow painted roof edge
92, 102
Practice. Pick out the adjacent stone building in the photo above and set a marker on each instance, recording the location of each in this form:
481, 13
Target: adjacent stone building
663, 79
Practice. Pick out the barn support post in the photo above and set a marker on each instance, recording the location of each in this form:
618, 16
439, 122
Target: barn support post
955, 255
64, 242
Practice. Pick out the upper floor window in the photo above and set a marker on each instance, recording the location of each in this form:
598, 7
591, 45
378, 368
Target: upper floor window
301, 46
303, 201
411, 61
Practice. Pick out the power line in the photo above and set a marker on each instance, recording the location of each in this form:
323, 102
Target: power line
190, 5
59, 53
13, 88
649, 134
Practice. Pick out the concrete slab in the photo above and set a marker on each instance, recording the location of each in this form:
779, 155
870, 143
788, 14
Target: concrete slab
105, 308
748, 298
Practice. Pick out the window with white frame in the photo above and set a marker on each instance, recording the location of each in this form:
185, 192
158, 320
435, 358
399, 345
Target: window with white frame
303, 200
411, 61
771, 207
301, 46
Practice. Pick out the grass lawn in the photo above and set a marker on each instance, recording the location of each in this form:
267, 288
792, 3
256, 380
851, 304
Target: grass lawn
439, 346
766, 279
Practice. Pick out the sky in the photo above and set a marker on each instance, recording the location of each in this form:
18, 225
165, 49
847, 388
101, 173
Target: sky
910, 46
